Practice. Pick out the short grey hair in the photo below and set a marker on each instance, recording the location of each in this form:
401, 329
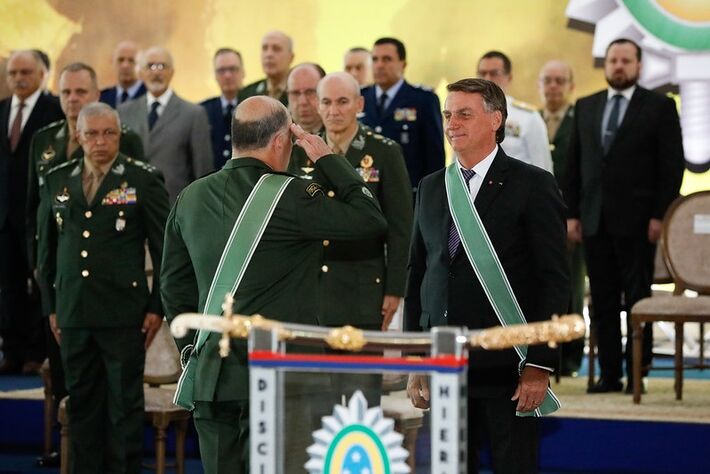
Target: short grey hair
96, 109
253, 134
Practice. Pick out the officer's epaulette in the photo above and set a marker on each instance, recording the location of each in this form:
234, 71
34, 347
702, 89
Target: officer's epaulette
125, 128
66, 164
423, 87
141, 164
523, 105
382, 138
51, 125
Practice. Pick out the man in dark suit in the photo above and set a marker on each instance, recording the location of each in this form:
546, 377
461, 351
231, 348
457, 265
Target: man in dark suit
523, 215
409, 115
625, 168
276, 58
129, 86
229, 74
556, 84
175, 132
27, 110
101, 209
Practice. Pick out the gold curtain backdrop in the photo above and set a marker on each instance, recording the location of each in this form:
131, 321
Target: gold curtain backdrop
444, 38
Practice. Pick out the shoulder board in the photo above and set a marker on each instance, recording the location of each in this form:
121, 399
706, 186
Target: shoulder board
141, 164
381, 138
423, 87
58, 123
523, 105
66, 164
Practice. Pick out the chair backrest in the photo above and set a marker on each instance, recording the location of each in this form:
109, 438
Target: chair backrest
661, 274
162, 359
686, 240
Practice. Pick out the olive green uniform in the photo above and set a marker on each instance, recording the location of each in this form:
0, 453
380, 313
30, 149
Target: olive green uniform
91, 259
356, 275
260, 88
48, 150
281, 281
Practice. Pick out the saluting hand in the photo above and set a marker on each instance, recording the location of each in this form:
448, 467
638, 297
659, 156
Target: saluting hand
151, 325
313, 145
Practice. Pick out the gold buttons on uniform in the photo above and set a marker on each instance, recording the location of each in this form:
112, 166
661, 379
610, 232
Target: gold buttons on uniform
324, 268
377, 280
326, 243
84, 253
134, 284
85, 273
86, 234
88, 214
331, 194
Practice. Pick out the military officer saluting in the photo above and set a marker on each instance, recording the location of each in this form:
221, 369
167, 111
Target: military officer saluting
96, 214
56, 143
525, 132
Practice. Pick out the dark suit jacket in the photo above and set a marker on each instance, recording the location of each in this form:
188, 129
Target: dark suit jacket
523, 214
14, 166
110, 95
413, 119
559, 147
220, 132
638, 178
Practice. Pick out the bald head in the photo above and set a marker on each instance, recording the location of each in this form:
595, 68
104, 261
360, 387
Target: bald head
276, 55
25, 73
556, 84
339, 102
256, 122
125, 63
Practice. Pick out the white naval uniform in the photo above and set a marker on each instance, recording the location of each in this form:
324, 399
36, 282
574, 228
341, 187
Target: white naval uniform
526, 135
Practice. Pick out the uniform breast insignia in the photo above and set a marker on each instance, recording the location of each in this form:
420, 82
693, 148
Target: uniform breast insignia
48, 154
308, 169
366, 170
63, 197
122, 195
120, 222
367, 192
313, 189
261, 87
358, 142
408, 114
119, 169
512, 129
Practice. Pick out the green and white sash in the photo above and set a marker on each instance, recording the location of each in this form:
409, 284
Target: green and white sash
242, 242
488, 268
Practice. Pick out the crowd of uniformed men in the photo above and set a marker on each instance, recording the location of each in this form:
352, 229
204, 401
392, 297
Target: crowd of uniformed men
87, 178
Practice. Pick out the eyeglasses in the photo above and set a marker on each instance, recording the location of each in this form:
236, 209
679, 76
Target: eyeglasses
308, 93
157, 66
108, 134
490, 73
560, 81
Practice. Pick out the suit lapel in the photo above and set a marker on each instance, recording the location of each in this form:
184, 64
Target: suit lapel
355, 153
5, 122
566, 123
493, 182
76, 190
599, 104
632, 111
169, 114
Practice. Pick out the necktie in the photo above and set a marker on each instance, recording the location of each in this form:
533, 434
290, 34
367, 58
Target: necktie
16, 129
381, 105
454, 238
553, 123
92, 185
228, 117
153, 115
124, 96
613, 124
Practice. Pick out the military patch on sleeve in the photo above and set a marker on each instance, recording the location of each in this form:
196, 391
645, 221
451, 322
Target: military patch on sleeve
313, 189
366, 192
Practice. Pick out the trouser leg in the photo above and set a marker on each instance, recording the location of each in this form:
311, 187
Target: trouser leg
223, 430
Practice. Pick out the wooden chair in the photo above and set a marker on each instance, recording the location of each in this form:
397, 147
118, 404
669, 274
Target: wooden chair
162, 366
686, 248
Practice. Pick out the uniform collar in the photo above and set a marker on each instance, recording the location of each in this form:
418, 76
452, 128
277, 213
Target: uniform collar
245, 161
391, 92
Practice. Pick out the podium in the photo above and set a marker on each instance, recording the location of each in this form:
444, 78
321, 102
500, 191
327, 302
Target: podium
318, 403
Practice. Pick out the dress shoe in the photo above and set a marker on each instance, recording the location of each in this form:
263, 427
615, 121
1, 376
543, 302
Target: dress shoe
9, 367
606, 386
31, 367
49, 460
